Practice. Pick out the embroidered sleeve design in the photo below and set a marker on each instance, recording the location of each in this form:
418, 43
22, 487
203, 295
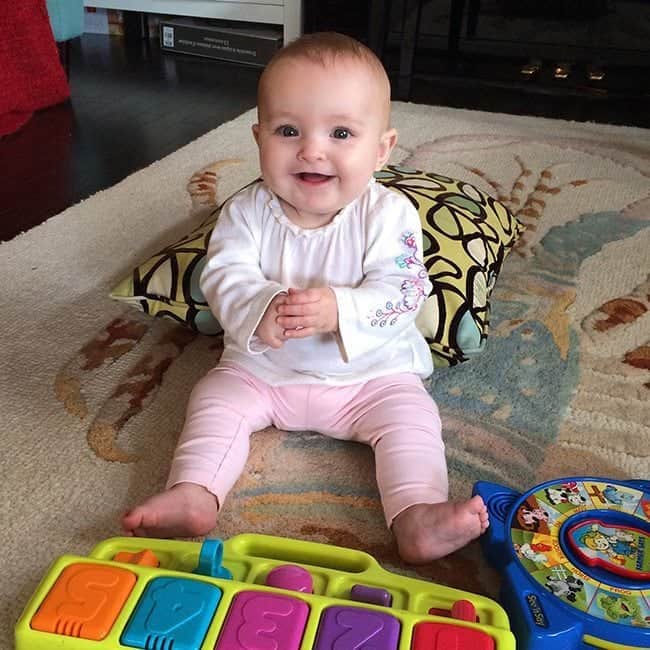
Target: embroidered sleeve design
412, 289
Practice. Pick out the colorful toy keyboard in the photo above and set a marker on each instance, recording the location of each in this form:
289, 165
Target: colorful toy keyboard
253, 592
575, 556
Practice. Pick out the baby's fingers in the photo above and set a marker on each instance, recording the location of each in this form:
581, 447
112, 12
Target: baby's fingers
276, 342
302, 296
300, 332
308, 309
294, 322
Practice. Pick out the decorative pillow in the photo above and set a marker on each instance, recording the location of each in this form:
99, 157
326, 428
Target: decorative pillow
467, 235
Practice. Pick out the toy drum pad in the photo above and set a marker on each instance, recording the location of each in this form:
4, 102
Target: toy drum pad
575, 554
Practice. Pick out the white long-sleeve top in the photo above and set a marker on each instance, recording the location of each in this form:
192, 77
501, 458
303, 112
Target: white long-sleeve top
370, 254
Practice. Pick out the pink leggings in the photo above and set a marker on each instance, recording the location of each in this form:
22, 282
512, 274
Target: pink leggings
393, 414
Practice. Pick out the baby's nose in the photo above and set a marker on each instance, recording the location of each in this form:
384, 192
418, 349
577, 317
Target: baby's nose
311, 149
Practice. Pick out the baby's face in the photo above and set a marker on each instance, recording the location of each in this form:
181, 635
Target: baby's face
322, 133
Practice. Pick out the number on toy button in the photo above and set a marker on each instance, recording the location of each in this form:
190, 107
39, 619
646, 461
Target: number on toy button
343, 628
360, 630
260, 621
263, 621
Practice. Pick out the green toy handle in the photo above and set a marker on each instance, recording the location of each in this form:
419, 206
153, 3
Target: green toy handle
294, 551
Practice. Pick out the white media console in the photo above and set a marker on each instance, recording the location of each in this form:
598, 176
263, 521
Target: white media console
287, 13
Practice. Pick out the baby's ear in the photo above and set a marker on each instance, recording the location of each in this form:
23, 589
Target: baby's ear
256, 132
387, 143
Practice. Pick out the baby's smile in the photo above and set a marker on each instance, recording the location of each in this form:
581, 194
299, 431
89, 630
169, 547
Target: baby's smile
313, 178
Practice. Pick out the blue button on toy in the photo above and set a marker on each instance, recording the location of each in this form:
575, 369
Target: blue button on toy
172, 613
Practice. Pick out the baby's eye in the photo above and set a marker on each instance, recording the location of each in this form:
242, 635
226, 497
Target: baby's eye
341, 133
287, 131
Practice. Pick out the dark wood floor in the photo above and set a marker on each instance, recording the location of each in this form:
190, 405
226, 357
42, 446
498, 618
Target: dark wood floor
129, 107
132, 105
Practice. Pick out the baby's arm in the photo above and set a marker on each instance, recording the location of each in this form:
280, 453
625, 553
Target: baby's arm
239, 295
395, 282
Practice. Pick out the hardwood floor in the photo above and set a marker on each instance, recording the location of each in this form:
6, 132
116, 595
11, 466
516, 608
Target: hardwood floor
132, 105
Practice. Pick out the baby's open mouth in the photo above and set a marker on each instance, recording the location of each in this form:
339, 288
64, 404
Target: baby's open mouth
309, 177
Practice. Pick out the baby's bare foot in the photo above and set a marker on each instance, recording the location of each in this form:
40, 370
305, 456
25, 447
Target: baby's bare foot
185, 510
428, 531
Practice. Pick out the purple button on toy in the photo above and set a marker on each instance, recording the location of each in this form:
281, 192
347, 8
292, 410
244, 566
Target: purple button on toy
372, 595
290, 576
354, 628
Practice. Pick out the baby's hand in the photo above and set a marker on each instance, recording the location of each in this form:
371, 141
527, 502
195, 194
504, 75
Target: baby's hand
306, 312
269, 331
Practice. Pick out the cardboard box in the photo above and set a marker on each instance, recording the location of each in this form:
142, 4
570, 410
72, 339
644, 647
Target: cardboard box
251, 46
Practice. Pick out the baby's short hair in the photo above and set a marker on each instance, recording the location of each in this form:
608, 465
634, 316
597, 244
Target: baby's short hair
326, 48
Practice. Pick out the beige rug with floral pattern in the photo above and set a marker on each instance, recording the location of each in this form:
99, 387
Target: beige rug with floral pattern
92, 393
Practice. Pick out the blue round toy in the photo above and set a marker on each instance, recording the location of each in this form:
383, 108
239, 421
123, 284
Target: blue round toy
575, 557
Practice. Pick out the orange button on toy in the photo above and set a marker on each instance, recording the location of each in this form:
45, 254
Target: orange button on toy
84, 601
142, 558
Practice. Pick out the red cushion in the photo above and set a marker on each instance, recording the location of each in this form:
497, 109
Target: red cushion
31, 75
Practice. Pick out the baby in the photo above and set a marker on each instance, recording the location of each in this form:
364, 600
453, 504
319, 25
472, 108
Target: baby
316, 275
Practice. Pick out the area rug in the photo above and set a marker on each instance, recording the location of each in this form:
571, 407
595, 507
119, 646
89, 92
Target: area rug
92, 393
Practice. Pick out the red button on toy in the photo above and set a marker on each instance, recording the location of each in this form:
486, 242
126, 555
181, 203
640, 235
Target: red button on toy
445, 636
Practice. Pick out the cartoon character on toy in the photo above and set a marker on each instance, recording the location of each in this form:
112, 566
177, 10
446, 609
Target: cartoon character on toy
567, 493
567, 588
618, 545
533, 552
616, 496
623, 608
532, 517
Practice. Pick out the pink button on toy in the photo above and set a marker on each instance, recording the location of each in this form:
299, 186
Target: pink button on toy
257, 619
290, 576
